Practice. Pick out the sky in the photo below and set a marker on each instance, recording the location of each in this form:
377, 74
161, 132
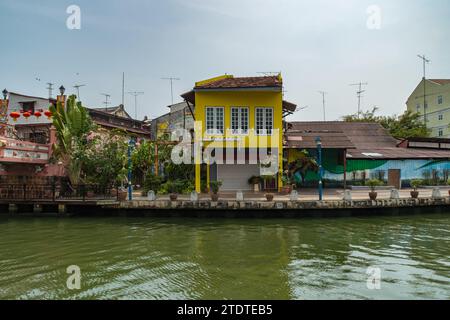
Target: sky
321, 45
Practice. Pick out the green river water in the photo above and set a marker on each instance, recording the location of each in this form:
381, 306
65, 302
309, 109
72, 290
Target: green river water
149, 258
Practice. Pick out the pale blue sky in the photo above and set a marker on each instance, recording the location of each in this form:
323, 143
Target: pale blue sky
318, 45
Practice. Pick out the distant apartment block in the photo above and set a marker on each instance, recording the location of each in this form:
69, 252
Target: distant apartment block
431, 99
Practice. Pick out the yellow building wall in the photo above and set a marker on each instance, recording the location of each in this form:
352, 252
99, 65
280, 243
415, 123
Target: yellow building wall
433, 91
251, 100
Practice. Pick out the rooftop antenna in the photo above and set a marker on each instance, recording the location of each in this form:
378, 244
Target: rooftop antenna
269, 73
425, 61
135, 94
50, 89
123, 89
107, 96
359, 94
171, 79
78, 86
323, 93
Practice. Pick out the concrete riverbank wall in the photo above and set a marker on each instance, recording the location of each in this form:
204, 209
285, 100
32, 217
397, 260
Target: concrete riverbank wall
234, 209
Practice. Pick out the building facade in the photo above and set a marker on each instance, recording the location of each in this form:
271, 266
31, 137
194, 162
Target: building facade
238, 126
431, 99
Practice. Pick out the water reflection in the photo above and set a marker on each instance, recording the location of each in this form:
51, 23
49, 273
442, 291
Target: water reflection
142, 258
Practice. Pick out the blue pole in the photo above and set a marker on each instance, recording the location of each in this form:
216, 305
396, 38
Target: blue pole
130, 189
319, 158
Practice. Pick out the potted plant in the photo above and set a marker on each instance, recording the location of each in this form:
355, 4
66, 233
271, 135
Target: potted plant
255, 181
173, 188
122, 194
288, 184
415, 183
269, 197
372, 185
215, 186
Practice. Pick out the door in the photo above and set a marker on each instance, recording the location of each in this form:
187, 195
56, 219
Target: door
235, 177
394, 178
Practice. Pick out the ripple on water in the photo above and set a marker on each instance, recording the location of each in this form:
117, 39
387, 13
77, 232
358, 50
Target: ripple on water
225, 259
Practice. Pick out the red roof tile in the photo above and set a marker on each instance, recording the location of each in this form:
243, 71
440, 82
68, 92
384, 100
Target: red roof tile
440, 81
243, 82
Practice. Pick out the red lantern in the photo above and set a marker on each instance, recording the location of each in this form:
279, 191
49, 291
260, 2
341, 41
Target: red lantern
26, 114
37, 114
48, 113
14, 115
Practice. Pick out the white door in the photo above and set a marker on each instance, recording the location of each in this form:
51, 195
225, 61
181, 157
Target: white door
235, 176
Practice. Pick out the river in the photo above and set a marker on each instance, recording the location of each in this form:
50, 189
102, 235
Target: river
151, 258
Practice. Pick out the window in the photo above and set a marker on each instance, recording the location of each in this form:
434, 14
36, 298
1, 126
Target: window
426, 105
264, 121
28, 106
441, 117
239, 120
418, 108
214, 120
441, 132
440, 99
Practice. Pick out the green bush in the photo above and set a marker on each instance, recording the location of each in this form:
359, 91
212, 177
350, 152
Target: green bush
152, 182
415, 183
373, 183
215, 186
176, 186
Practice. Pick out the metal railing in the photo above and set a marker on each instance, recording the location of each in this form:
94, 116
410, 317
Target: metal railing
57, 192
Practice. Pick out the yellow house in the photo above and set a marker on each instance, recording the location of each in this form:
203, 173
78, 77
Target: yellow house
431, 99
238, 130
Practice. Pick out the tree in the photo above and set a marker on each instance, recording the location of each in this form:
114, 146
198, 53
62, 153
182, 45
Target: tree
73, 126
302, 165
105, 162
407, 125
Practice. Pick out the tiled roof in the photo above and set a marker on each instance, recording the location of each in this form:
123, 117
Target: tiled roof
440, 81
243, 82
307, 139
370, 140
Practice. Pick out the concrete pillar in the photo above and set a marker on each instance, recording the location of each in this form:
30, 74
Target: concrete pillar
151, 196
436, 193
294, 195
13, 208
37, 208
394, 194
62, 209
347, 195
239, 196
194, 196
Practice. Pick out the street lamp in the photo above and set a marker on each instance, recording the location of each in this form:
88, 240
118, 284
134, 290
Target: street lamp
131, 145
319, 160
5, 94
62, 90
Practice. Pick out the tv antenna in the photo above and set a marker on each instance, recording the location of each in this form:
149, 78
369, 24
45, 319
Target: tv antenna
269, 73
323, 93
107, 96
50, 89
135, 94
359, 94
77, 87
171, 79
425, 61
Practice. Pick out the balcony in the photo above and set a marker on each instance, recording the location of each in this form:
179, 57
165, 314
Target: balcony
17, 151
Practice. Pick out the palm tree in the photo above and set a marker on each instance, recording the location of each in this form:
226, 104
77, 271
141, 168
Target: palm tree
73, 125
302, 165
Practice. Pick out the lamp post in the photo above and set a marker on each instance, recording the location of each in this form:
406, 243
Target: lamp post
131, 145
319, 160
